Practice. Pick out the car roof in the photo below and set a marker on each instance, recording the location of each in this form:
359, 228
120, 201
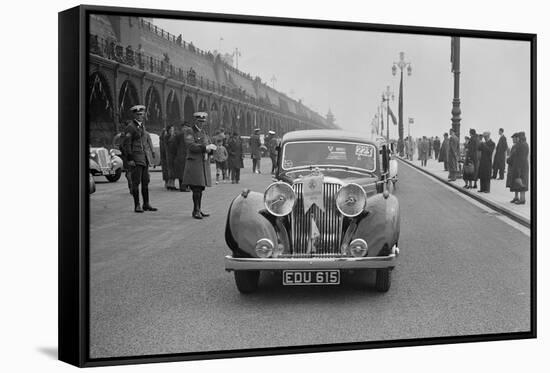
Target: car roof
340, 135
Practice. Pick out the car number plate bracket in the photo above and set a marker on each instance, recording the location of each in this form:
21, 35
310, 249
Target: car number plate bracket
311, 277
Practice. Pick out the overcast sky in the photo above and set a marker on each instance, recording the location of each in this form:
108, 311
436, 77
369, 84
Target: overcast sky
347, 71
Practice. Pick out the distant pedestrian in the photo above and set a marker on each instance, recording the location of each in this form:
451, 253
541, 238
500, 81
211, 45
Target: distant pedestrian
424, 151
443, 152
272, 146
235, 157
486, 146
138, 149
518, 168
453, 154
437, 147
499, 162
197, 164
220, 157
255, 151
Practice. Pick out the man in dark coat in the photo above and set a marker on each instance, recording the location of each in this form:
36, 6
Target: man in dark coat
486, 146
255, 151
437, 147
518, 168
499, 162
452, 155
443, 152
181, 156
472, 157
235, 157
424, 151
197, 165
272, 143
138, 149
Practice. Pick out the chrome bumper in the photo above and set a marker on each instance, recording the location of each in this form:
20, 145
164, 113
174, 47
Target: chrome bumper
274, 264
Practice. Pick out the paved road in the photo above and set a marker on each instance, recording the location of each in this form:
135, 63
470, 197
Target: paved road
158, 283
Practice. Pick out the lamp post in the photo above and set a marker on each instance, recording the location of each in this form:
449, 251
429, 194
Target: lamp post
401, 64
386, 97
455, 69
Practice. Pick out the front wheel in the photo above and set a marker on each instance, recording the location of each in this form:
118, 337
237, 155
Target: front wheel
115, 177
247, 281
383, 280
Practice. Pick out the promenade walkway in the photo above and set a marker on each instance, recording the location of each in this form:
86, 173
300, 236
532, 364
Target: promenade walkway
499, 197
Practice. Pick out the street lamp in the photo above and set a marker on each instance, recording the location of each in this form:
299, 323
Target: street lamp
386, 97
401, 64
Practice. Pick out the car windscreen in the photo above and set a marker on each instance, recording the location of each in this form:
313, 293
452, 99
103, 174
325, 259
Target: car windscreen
329, 153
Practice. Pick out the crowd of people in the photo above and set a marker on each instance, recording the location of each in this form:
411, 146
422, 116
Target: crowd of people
478, 158
186, 151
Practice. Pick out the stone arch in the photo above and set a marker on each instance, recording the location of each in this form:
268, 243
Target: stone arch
127, 97
172, 108
102, 126
188, 109
153, 110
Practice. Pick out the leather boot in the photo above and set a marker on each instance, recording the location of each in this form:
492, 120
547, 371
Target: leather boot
196, 211
146, 205
137, 206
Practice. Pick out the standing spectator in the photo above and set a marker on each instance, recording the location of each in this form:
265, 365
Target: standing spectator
181, 156
486, 146
118, 143
437, 147
235, 157
139, 154
424, 151
220, 157
443, 152
453, 155
500, 156
472, 157
163, 138
430, 147
518, 168
197, 164
255, 151
272, 145
171, 152
418, 145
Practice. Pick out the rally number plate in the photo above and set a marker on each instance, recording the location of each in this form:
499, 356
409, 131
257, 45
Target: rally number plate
311, 277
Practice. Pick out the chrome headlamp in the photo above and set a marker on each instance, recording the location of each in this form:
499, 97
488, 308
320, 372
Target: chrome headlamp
351, 200
279, 199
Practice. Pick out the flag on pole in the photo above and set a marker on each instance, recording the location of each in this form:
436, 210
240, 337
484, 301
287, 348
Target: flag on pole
313, 237
393, 118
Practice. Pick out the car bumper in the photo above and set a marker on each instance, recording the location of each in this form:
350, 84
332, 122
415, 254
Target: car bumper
274, 264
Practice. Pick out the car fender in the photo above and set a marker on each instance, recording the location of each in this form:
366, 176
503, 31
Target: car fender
116, 162
246, 225
381, 225
94, 166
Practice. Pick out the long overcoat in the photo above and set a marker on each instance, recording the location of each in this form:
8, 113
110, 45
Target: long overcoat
453, 154
518, 167
197, 164
255, 144
163, 162
485, 162
424, 150
500, 154
235, 153
181, 152
443, 152
472, 156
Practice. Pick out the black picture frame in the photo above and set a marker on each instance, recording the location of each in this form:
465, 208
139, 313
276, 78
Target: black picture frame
73, 184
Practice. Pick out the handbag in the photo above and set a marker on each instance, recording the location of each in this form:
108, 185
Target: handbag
518, 183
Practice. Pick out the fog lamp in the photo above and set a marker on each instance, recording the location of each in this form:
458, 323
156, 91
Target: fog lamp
358, 247
264, 248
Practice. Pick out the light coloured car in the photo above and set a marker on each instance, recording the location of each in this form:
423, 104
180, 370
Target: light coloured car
106, 163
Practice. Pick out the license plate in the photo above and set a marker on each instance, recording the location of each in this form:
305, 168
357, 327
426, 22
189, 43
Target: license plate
106, 172
311, 277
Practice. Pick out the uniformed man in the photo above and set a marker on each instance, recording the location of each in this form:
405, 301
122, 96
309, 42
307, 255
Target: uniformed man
272, 145
138, 149
197, 165
255, 151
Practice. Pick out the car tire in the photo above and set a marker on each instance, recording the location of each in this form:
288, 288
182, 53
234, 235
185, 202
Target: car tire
247, 281
383, 280
114, 178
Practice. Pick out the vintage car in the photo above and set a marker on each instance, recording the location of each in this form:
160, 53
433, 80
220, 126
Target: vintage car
106, 163
330, 209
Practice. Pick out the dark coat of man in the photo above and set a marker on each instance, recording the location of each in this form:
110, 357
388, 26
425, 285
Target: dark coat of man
424, 150
452, 155
444, 150
437, 148
197, 164
235, 152
472, 156
163, 162
181, 152
485, 163
137, 145
518, 167
171, 149
255, 144
499, 162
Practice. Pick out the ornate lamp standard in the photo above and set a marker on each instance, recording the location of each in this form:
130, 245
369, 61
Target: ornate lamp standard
401, 65
386, 97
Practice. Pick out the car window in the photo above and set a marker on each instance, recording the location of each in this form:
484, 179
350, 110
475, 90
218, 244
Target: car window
326, 153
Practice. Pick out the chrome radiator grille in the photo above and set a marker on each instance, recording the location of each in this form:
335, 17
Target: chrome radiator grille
329, 224
103, 158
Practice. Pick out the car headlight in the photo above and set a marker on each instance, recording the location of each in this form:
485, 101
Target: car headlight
351, 200
264, 248
279, 199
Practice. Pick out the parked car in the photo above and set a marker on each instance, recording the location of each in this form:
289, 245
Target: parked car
330, 209
91, 184
106, 163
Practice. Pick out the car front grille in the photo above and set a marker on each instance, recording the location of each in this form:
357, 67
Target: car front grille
103, 158
329, 224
